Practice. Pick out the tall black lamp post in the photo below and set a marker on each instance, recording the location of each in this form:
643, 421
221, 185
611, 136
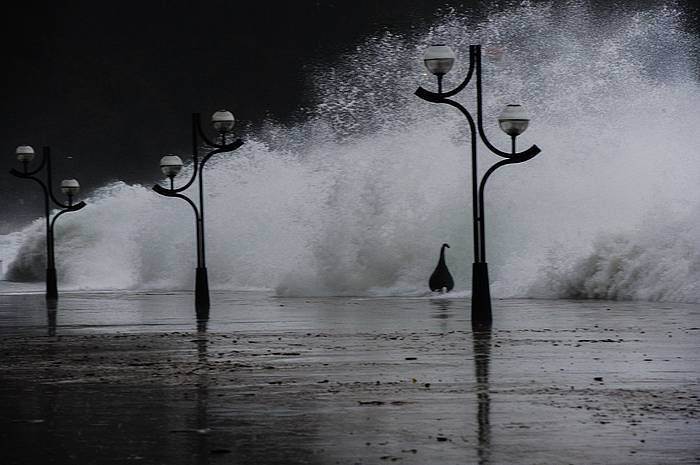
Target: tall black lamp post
70, 187
170, 165
513, 121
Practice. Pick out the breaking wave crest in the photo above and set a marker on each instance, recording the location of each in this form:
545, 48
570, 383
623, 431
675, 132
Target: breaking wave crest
358, 198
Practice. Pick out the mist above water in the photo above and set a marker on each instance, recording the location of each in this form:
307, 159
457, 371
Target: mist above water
358, 198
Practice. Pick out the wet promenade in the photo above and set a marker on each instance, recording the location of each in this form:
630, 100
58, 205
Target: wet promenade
127, 377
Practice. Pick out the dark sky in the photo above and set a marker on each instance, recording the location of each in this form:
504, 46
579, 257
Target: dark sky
113, 84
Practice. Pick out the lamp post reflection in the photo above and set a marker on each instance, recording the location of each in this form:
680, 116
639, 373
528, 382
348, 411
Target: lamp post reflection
202, 417
482, 356
51, 316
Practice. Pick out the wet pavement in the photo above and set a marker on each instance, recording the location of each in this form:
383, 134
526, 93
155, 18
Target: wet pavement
129, 377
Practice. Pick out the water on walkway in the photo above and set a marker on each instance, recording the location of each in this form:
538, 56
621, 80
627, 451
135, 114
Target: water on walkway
116, 377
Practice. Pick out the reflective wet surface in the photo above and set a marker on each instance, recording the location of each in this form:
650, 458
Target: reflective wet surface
121, 377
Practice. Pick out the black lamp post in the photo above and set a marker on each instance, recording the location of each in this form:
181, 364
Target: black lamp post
513, 121
170, 165
70, 187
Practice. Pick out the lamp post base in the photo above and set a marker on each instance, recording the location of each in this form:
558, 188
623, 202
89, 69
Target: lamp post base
481, 295
201, 291
51, 286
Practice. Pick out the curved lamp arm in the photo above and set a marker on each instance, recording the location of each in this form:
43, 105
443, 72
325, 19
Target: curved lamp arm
221, 148
523, 157
437, 98
76, 207
429, 96
71, 208
28, 175
527, 154
175, 193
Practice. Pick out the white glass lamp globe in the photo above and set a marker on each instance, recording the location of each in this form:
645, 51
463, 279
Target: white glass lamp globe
25, 153
70, 187
439, 59
170, 165
222, 120
513, 120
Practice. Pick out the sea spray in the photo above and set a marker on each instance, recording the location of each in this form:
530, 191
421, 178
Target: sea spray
355, 199
658, 261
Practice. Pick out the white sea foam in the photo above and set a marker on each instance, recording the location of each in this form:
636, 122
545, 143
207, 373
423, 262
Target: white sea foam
358, 198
